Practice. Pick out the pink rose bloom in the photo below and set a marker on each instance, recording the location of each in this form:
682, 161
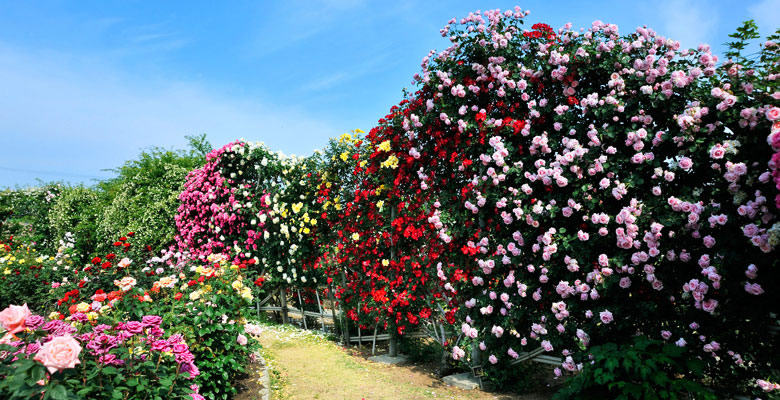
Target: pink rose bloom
458, 353
709, 241
124, 263
241, 340
751, 271
767, 386
59, 353
709, 305
606, 316
717, 152
13, 318
126, 283
773, 114
493, 359
754, 289
685, 163
625, 282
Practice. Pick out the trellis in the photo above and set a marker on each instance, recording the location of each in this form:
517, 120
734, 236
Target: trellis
435, 331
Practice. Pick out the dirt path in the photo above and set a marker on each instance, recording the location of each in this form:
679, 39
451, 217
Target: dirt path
305, 365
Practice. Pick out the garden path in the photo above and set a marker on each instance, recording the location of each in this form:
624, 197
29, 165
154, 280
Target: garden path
306, 365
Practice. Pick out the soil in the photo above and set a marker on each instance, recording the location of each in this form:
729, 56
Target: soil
249, 384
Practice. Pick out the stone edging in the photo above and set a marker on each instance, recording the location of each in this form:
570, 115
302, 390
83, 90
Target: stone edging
265, 378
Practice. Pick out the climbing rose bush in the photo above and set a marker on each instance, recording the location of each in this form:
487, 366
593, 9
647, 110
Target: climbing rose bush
597, 187
223, 202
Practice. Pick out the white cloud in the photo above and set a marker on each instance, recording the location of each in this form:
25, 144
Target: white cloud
690, 22
79, 114
766, 13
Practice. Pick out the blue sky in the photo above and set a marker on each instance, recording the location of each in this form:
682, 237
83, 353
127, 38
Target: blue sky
85, 85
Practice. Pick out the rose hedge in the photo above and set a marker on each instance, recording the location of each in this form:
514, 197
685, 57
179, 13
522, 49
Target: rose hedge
542, 188
601, 187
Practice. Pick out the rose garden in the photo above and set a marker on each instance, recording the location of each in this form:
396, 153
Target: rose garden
607, 200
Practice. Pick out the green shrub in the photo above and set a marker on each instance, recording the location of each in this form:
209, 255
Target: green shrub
76, 210
643, 369
143, 197
24, 214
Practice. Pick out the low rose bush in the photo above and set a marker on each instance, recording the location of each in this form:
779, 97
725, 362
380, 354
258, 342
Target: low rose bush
199, 304
77, 359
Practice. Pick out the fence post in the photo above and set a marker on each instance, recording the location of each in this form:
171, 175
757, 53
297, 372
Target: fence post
303, 312
393, 350
341, 310
319, 306
283, 298
333, 309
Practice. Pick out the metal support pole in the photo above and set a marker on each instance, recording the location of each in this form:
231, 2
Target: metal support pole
303, 313
283, 297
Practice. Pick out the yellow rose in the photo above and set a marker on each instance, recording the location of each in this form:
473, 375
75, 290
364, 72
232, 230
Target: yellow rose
297, 207
391, 162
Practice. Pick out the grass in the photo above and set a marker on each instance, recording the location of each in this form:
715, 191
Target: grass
309, 365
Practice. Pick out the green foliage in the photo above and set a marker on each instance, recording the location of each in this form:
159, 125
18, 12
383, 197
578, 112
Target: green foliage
420, 349
643, 369
143, 197
76, 210
744, 34
24, 214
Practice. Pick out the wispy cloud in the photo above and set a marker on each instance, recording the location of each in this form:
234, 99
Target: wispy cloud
691, 22
149, 37
59, 113
349, 73
766, 13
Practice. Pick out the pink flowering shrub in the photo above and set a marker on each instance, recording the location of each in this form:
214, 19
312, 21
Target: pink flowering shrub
76, 359
222, 202
599, 186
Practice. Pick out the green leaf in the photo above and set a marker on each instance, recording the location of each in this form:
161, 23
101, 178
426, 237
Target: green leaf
57, 392
38, 373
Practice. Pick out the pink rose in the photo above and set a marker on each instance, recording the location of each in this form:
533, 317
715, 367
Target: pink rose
59, 353
754, 289
773, 114
241, 340
13, 318
685, 163
606, 316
